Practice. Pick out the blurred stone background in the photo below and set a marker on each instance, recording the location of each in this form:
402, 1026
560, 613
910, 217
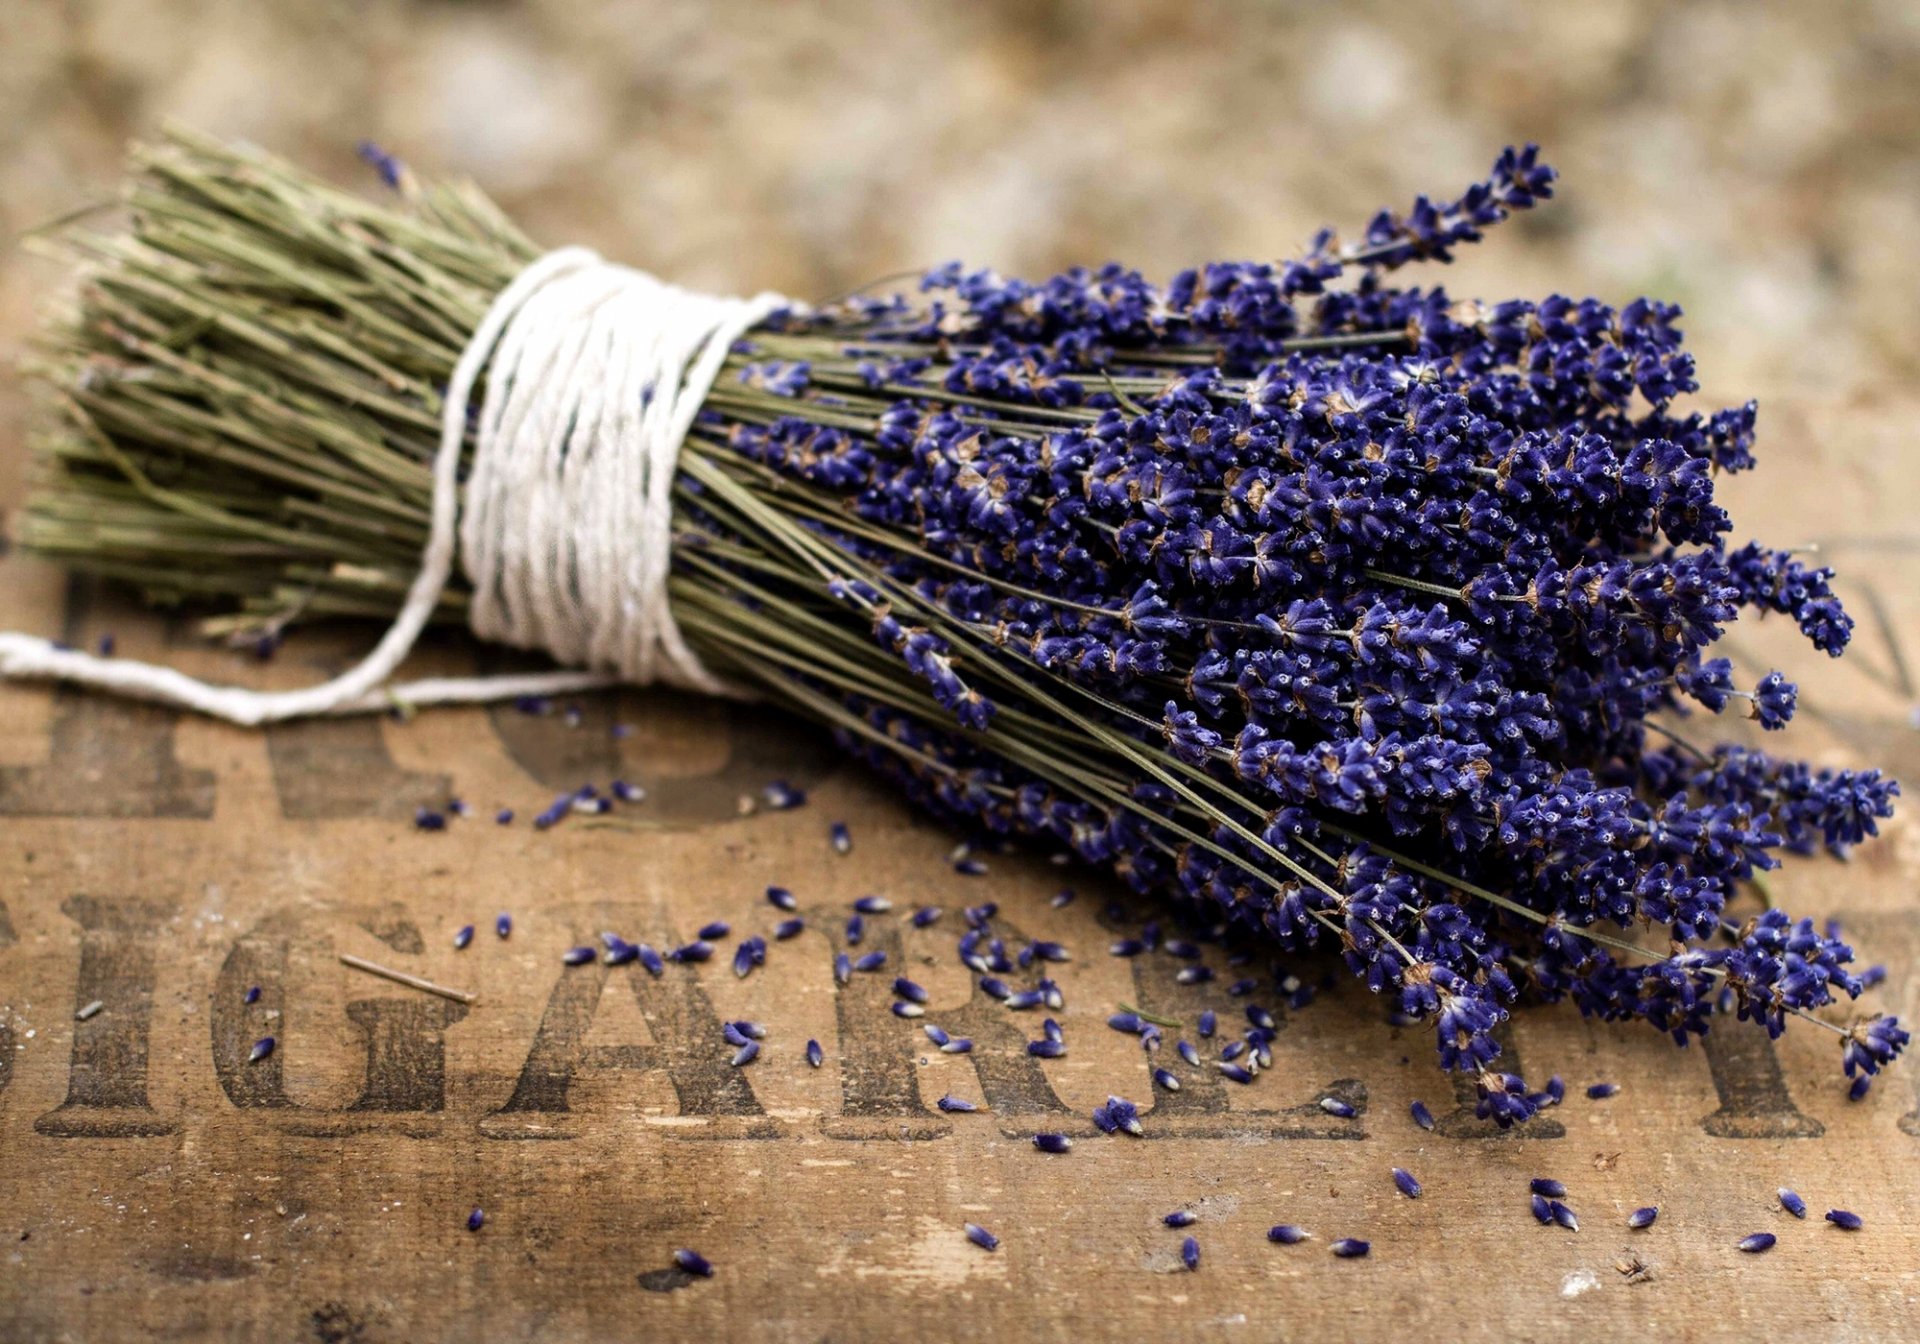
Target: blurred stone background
1759, 163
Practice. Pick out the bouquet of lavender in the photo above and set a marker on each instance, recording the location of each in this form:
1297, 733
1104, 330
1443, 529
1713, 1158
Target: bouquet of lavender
1337, 612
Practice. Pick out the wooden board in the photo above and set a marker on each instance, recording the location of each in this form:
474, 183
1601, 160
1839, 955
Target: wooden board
154, 1184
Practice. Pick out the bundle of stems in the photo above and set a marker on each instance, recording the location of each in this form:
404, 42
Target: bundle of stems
1329, 609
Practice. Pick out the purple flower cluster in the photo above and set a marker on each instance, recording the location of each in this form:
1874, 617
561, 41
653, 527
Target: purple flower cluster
1341, 614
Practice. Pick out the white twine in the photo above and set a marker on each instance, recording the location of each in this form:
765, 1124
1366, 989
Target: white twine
595, 373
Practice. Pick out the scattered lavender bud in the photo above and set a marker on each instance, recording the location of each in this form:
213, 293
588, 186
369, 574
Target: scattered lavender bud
261, 1049
746, 1054
925, 915
1179, 947
959, 1045
719, 928
252, 995
908, 990
782, 796
426, 819
1103, 1120
1051, 1030
1260, 1017
1350, 1248
1130, 1023
752, 952
1061, 899
1024, 999
1640, 1218
1846, 1222
1407, 1184
1053, 1143
1194, 975
1239, 1073
996, 989
952, 1104
1557, 1089
652, 960
696, 951
1053, 952
856, 930
1239, 989
1233, 1050
1206, 1024
935, 1034
1541, 1209
577, 956
1125, 1115
1421, 1115
980, 1237
693, 1263
873, 961
734, 1035
1165, 1079
1179, 1218
476, 1220
1047, 1049
1792, 1203
757, 1030
840, 838
842, 968
1286, 1234
504, 817
1190, 1253
627, 793
1126, 947
1601, 1091
503, 926
873, 905
458, 808
1552, 1189
1335, 1106
970, 867
782, 899
789, 928
814, 1053
1188, 1053
1051, 996
1563, 1215
901, 1008
1758, 1242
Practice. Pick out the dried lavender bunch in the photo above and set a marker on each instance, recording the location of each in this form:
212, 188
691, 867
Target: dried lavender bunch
1334, 610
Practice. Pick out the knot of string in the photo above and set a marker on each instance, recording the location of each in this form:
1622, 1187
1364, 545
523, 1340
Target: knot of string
594, 374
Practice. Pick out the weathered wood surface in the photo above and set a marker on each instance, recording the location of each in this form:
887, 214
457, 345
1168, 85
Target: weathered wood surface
154, 1185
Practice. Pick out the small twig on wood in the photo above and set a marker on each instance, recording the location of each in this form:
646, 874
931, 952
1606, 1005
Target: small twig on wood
402, 978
